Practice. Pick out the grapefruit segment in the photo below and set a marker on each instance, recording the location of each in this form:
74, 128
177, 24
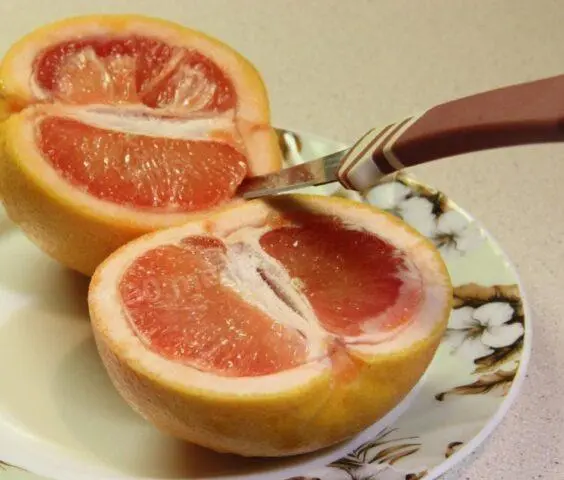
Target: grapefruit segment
133, 70
217, 330
177, 305
141, 171
349, 276
121, 125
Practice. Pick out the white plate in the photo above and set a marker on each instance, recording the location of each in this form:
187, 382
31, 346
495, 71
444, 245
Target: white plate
61, 418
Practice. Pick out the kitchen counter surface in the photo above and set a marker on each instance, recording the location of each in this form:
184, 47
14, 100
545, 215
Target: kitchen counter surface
337, 68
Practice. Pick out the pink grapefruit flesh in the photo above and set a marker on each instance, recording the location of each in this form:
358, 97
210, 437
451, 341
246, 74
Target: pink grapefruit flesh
177, 304
276, 327
133, 69
147, 172
179, 308
348, 276
114, 126
142, 171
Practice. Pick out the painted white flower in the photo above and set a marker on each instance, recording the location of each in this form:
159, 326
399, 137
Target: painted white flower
455, 234
452, 232
417, 211
388, 196
475, 332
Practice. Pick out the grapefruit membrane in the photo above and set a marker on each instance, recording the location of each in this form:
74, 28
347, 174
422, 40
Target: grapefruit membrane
120, 125
274, 327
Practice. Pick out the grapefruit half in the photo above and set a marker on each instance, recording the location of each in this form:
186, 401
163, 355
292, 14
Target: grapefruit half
120, 125
272, 328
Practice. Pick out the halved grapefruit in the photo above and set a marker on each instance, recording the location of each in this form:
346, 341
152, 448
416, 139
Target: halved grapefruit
120, 125
274, 327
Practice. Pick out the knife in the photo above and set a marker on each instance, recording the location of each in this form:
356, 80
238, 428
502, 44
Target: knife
526, 113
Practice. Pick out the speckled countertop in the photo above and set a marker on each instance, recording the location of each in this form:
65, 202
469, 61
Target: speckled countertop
337, 68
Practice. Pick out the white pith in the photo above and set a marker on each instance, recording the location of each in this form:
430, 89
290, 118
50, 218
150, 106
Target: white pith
23, 136
112, 322
193, 92
245, 259
133, 121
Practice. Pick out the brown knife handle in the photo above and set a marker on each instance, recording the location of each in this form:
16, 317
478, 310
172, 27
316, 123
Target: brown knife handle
516, 115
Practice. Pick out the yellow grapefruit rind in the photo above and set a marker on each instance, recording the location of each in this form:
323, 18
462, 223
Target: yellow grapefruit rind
72, 227
75, 229
16, 68
316, 410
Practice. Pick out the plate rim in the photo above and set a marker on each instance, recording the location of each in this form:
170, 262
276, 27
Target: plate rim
517, 384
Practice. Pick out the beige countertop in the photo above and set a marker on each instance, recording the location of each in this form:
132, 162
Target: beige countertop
337, 68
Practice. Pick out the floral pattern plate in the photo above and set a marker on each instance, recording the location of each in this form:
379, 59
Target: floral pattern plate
61, 418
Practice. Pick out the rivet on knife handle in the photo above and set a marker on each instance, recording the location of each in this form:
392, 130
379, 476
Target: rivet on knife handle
516, 115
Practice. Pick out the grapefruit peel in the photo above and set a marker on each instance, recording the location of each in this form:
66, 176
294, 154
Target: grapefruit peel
74, 226
341, 387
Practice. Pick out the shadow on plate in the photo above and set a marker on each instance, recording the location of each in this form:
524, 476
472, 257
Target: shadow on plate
29, 272
5, 224
68, 401
67, 398
92, 409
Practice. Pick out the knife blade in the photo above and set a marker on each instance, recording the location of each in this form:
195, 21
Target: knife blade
320, 171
